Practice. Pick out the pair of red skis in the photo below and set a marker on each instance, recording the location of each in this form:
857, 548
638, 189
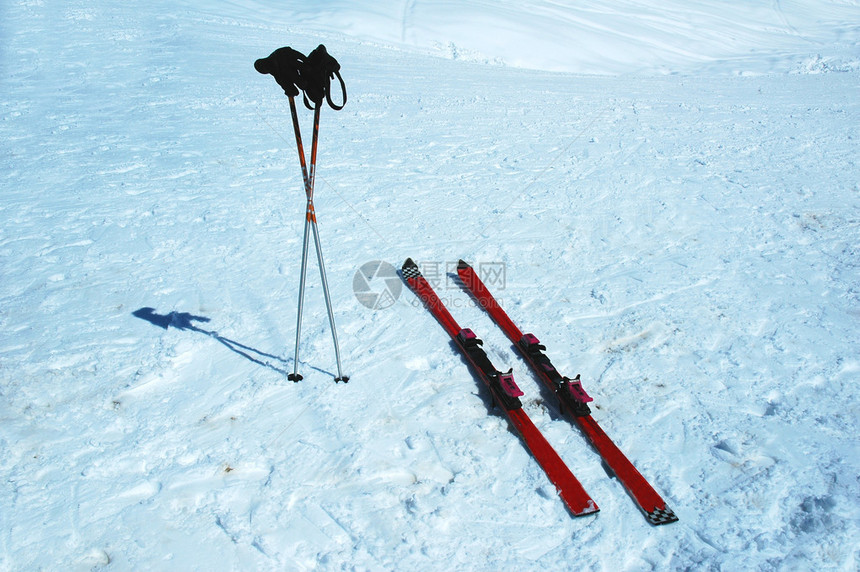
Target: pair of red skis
572, 400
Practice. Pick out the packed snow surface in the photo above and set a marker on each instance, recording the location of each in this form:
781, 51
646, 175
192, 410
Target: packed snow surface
666, 194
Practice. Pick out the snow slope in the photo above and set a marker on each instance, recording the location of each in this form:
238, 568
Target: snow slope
687, 241
592, 36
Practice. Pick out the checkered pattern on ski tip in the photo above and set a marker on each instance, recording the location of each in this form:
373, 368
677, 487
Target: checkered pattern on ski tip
411, 271
662, 516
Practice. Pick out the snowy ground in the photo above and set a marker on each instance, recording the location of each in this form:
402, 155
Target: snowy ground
681, 229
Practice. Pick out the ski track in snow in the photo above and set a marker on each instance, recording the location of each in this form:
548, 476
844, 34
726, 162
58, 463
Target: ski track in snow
687, 242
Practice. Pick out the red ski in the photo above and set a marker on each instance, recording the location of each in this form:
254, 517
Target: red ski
505, 394
573, 400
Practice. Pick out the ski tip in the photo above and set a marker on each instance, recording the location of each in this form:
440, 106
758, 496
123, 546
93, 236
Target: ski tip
660, 516
462, 265
410, 269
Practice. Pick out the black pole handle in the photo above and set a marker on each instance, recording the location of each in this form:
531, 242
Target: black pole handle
286, 66
311, 74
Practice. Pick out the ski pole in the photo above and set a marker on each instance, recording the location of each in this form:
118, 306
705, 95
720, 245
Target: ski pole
312, 75
311, 224
311, 218
295, 376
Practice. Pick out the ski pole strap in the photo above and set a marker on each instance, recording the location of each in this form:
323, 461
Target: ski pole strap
342, 91
311, 74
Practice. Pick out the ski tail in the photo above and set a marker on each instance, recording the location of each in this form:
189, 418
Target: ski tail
640, 490
573, 400
505, 394
571, 491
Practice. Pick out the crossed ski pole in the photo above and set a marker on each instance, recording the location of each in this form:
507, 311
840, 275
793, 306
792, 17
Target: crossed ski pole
312, 75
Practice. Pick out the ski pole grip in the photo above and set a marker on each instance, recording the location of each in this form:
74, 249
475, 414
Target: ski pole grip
286, 65
319, 69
